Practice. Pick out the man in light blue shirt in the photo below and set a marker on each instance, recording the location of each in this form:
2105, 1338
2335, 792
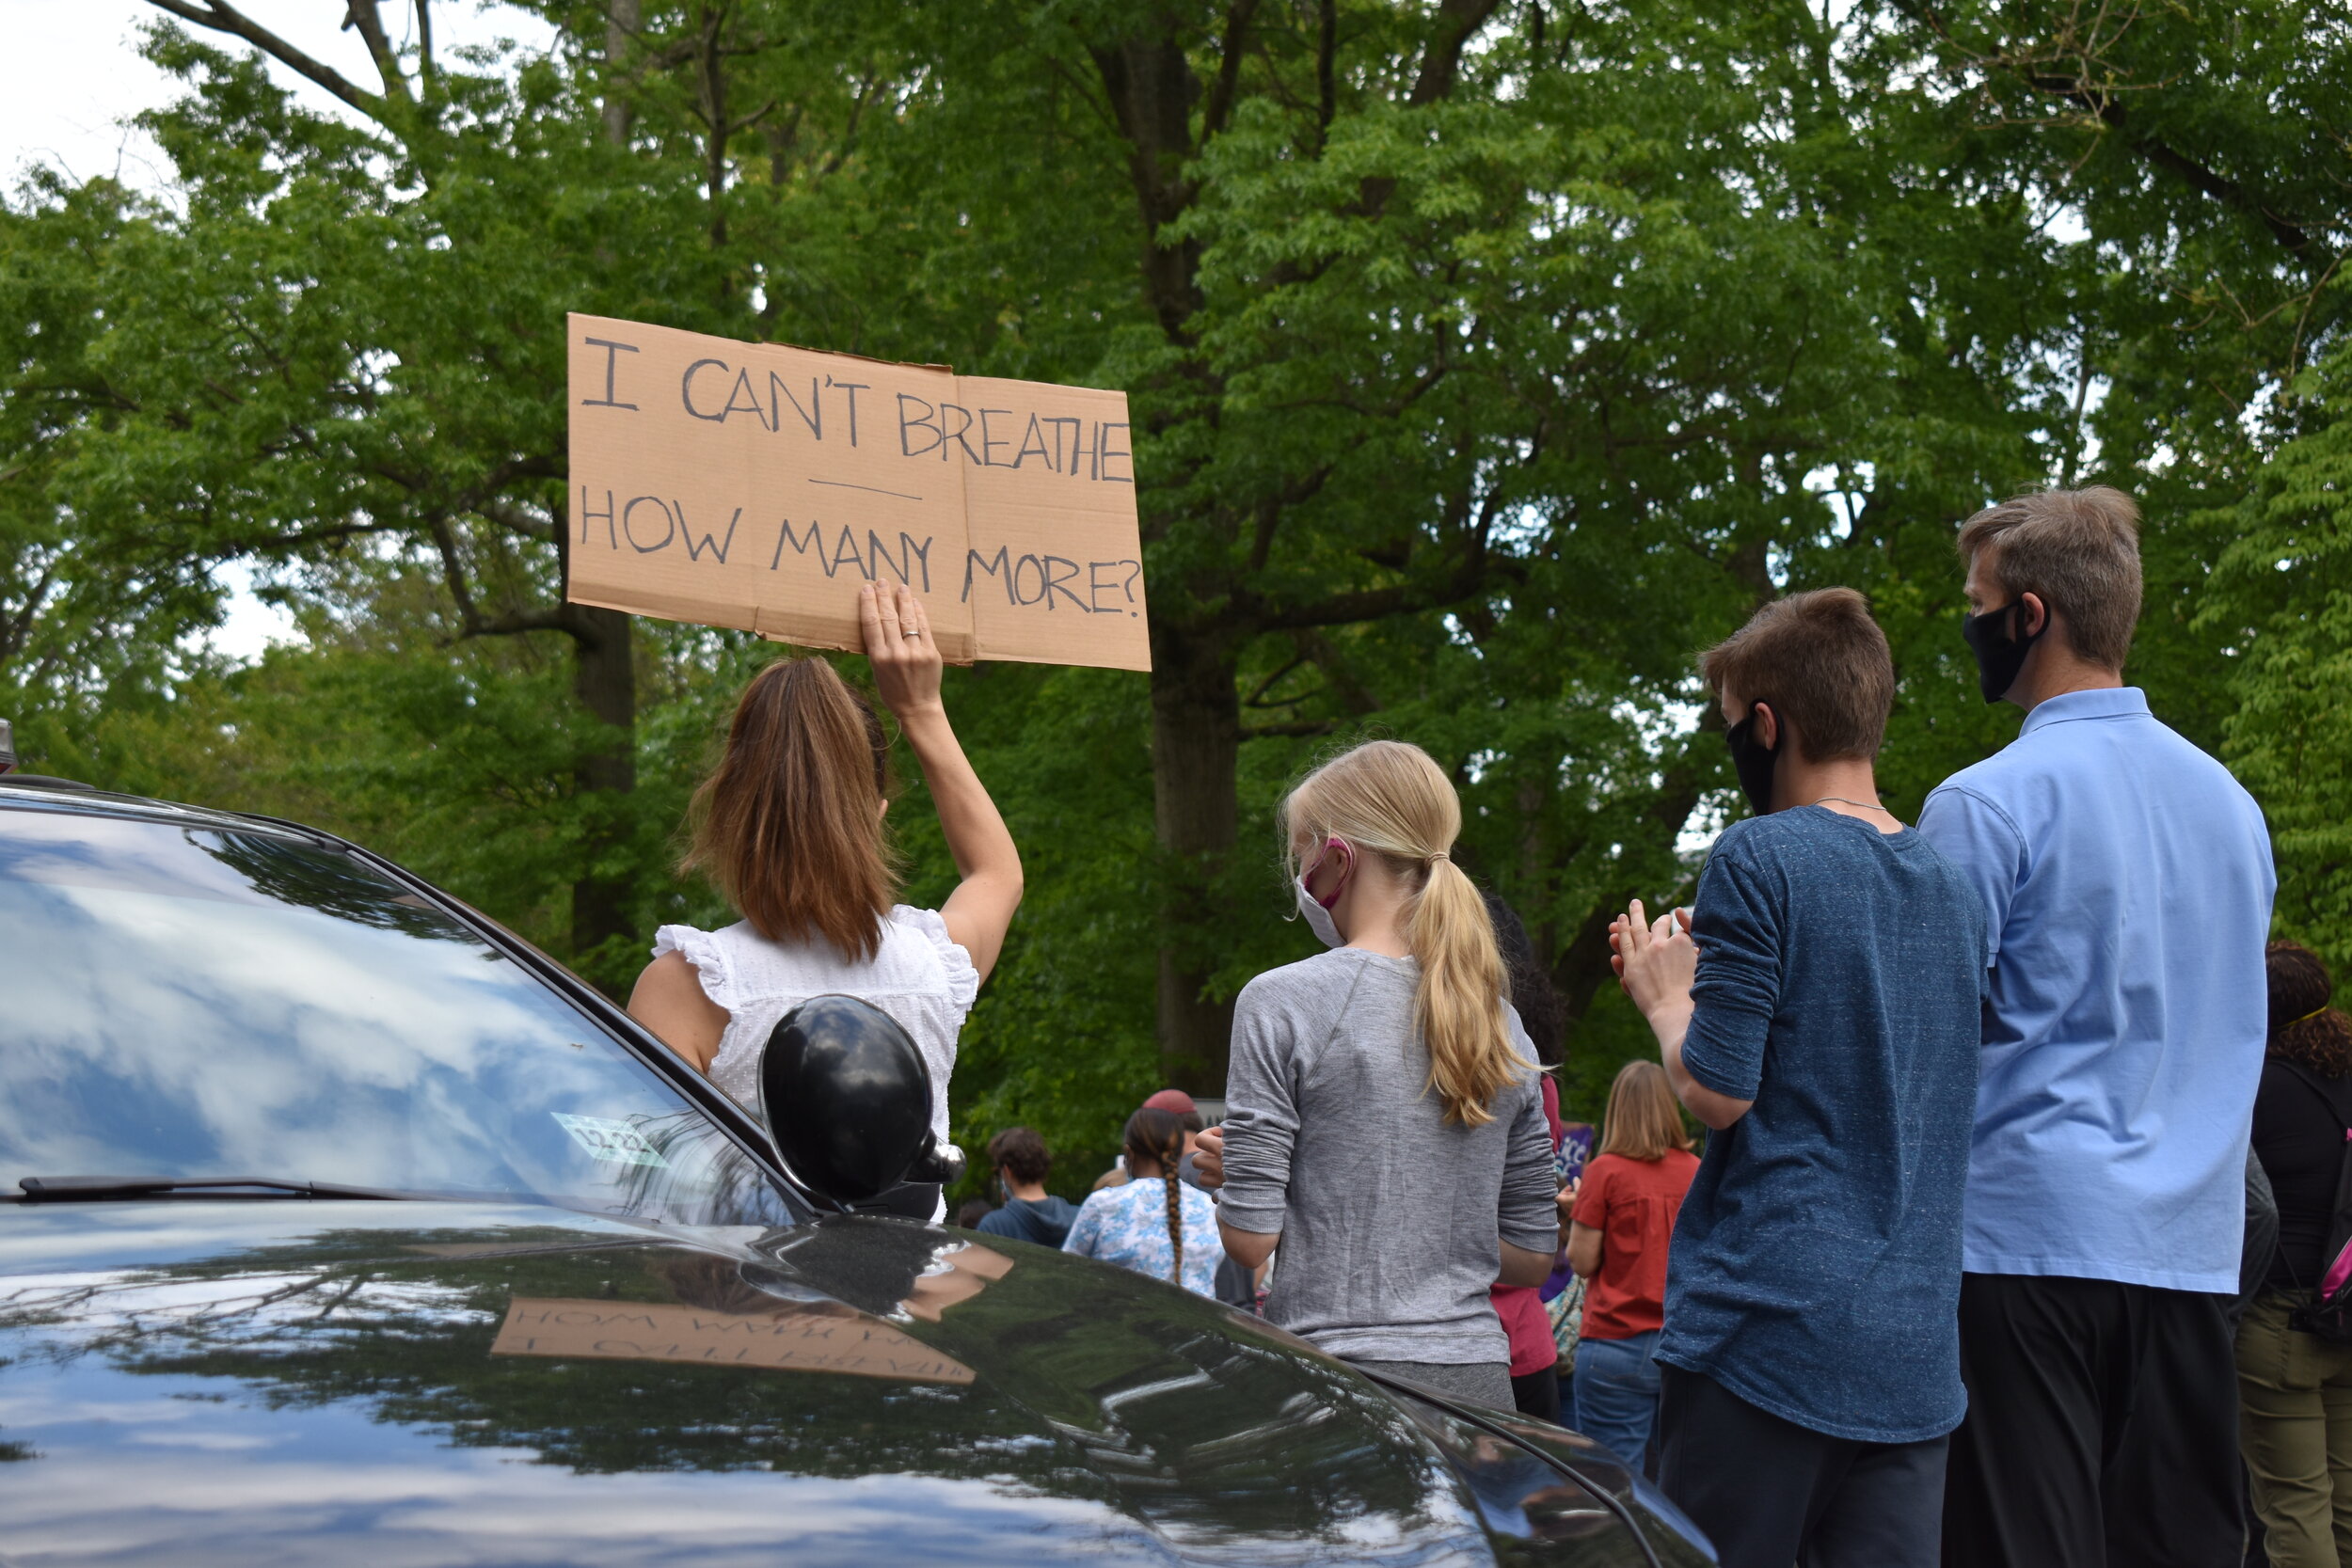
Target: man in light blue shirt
2128, 880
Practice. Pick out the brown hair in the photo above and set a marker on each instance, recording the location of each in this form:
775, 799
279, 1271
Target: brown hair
2303, 1027
1820, 660
1159, 1136
1020, 1151
789, 823
2079, 551
1391, 799
1643, 1120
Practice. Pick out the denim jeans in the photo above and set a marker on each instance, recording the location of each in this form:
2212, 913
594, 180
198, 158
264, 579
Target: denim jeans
1617, 1393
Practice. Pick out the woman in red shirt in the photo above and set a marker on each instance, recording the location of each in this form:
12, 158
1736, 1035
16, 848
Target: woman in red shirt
1623, 1218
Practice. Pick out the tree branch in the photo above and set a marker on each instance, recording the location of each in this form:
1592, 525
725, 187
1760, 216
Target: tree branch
454, 575
1259, 690
1289, 727
1441, 63
221, 16
1440, 66
2205, 181
426, 72
1220, 108
514, 521
367, 18
550, 618
1326, 69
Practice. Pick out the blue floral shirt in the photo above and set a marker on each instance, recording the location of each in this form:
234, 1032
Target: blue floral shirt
1128, 1226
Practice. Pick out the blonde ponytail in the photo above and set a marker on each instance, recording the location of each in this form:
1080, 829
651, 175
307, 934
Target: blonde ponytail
1391, 799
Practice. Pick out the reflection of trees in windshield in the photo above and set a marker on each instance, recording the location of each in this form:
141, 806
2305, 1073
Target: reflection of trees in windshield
1158, 1404
327, 880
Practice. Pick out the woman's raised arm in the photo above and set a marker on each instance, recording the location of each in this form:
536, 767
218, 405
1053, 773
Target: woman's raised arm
906, 676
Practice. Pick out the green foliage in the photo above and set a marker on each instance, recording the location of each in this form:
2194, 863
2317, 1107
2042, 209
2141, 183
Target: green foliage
1480, 379
2283, 595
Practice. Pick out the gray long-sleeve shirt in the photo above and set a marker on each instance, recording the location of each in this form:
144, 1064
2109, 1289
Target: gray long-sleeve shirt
1388, 1216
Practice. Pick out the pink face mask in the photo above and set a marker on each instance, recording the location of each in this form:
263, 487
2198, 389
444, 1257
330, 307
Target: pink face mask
1318, 910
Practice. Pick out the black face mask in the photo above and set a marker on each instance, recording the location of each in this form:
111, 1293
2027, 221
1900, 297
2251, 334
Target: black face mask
2000, 652
1752, 761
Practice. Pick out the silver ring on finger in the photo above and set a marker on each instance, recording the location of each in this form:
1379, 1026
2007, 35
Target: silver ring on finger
916, 632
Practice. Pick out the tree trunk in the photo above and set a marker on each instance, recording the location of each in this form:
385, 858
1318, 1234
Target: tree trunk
622, 18
604, 668
604, 678
1195, 747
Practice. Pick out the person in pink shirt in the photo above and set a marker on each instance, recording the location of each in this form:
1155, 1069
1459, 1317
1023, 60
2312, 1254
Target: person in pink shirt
1534, 1353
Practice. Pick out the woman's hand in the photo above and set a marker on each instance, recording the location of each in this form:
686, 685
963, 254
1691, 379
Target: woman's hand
1655, 962
899, 645
906, 674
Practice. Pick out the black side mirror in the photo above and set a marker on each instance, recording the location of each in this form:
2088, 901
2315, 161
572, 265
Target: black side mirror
846, 1097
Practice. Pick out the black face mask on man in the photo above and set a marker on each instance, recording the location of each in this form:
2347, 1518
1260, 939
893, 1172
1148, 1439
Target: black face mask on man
2001, 651
1752, 761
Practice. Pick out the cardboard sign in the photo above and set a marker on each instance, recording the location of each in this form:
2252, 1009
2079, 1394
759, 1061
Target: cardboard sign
756, 486
798, 1340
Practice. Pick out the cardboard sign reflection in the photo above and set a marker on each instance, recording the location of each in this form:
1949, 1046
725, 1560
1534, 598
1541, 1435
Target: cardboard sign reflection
808, 1340
821, 1337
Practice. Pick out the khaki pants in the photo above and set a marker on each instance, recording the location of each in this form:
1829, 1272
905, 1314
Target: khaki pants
2295, 1395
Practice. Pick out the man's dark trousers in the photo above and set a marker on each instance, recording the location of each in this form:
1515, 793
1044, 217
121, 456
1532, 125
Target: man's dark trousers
1769, 1493
2102, 1428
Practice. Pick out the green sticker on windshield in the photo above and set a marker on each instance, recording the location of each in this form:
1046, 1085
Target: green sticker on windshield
604, 1139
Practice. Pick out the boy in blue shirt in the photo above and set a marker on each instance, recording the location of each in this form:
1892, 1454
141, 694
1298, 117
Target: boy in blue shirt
1817, 1008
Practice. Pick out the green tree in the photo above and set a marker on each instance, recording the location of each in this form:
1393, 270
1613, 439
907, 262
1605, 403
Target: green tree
2208, 150
1488, 361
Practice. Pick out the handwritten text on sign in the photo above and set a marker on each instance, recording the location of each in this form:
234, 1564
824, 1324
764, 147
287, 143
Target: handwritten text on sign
810, 1339
757, 486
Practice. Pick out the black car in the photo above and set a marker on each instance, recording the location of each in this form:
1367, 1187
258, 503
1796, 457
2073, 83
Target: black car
346, 1228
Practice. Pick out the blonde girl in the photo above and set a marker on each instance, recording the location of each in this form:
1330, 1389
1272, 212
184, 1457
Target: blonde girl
1384, 1124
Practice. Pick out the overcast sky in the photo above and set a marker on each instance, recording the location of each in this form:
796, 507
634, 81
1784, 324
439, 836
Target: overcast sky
71, 78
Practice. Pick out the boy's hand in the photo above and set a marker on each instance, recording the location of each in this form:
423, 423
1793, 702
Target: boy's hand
1208, 1159
1655, 962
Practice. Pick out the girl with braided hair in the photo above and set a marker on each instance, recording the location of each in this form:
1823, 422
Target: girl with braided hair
1154, 1223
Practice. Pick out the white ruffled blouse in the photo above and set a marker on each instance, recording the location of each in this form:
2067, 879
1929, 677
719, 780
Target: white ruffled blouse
918, 977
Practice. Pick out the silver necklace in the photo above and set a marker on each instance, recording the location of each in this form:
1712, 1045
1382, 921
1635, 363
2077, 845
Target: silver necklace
1859, 805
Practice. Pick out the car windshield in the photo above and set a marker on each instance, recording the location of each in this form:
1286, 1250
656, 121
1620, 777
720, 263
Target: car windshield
186, 1002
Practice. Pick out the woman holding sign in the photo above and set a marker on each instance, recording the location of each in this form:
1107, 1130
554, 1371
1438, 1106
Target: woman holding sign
789, 825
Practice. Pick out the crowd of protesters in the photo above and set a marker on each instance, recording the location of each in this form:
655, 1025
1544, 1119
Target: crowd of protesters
1965, 1273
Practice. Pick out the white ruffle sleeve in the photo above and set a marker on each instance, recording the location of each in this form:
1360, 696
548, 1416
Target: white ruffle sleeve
963, 981
709, 957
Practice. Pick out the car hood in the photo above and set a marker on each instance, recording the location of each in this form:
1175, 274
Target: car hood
270, 1383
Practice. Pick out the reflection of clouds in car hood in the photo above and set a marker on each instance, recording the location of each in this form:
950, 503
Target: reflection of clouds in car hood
39, 1239
197, 1509
226, 1308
